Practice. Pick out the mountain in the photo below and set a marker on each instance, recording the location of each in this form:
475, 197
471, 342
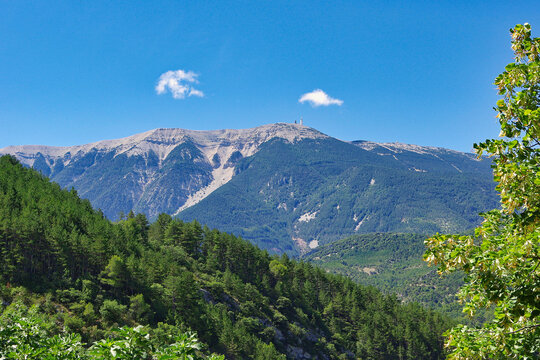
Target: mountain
162, 170
67, 270
285, 187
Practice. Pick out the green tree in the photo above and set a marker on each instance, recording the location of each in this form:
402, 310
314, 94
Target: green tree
502, 259
267, 352
116, 275
139, 310
182, 295
135, 343
112, 312
157, 230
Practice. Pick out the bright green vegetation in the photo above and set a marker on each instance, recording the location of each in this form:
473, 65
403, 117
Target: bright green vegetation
86, 275
502, 259
392, 263
27, 333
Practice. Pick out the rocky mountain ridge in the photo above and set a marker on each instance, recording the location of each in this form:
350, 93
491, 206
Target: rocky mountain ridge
162, 141
216, 149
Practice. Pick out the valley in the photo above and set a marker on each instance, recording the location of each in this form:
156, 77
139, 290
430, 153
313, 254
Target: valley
393, 263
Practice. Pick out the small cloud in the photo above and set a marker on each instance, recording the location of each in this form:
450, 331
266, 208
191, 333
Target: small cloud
178, 82
319, 98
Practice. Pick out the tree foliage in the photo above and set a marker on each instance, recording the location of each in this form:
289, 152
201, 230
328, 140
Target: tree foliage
26, 333
502, 259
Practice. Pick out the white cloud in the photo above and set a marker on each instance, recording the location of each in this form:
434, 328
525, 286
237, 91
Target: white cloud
179, 83
319, 98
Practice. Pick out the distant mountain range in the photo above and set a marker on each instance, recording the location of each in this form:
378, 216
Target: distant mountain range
285, 187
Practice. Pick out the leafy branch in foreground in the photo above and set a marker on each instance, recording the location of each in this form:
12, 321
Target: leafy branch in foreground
502, 259
26, 333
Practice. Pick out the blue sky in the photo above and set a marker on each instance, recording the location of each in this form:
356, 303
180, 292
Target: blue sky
418, 72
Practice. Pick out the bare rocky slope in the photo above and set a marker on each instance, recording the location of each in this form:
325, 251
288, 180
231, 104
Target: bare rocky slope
162, 170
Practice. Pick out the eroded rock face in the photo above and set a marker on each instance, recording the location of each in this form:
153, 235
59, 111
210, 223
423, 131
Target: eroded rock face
162, 170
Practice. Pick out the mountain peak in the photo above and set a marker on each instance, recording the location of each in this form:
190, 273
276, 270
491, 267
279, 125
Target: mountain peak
289, 132
217, 151
163, 140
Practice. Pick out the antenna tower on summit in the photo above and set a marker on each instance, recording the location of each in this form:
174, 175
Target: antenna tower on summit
301, 121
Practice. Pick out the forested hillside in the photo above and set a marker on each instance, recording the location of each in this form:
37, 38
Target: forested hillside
392, 263
89, 276
293, 197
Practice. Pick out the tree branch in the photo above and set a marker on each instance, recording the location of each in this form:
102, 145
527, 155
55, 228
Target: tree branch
525, 328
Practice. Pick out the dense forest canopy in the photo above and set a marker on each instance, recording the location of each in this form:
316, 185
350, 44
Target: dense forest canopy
392, 262
88, 276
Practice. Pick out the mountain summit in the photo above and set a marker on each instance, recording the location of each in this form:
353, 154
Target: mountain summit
286, 187
162, 141
197, 162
